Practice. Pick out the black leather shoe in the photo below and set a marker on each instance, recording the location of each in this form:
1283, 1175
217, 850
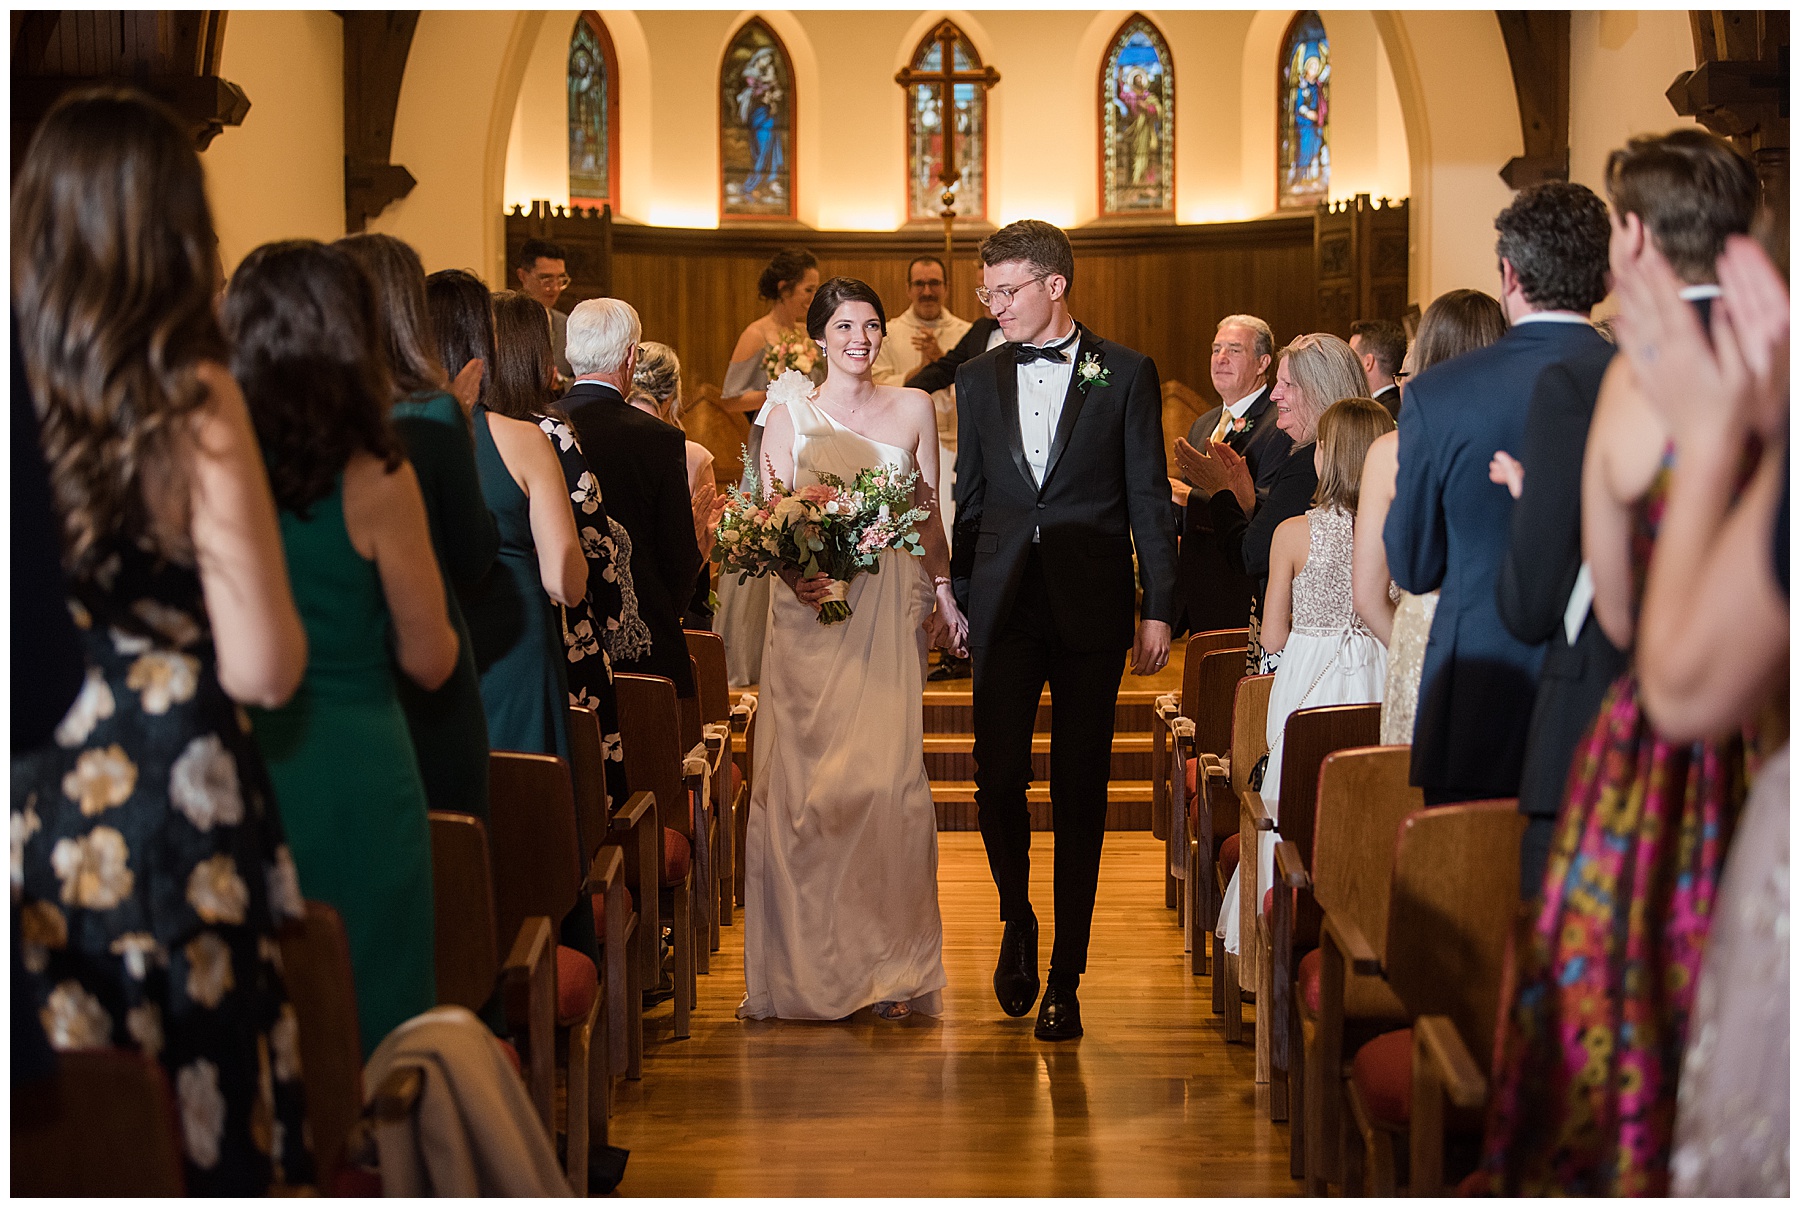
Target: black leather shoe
1060, 1016
1015, 976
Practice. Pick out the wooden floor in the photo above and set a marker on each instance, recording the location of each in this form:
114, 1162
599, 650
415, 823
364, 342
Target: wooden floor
1150, 1102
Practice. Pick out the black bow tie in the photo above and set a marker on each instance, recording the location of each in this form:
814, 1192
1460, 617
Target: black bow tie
1056, 354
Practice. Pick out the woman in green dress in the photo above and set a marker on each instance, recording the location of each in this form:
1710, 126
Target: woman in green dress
301, 316
514, 623
449, 728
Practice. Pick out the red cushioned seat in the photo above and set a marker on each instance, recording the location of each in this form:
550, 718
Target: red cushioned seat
1308, 977
1382, 1074
1268, 900
1193, 776
577, 985
1228, 854
599, 901
512, 1055
351, 1182
676, 857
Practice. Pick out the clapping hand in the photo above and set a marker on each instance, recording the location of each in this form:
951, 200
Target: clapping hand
1220, 468
467, 384
1506, 470
929, 349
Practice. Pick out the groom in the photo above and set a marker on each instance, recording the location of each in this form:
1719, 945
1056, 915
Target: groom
1059, 471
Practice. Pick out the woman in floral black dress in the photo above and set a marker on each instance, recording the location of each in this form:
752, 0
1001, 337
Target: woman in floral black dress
593, 630
148, 857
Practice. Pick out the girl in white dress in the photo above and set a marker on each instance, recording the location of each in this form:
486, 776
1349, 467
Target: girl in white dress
1329, 656
840, 859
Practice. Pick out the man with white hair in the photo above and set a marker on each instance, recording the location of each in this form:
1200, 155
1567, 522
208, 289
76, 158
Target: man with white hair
640, 464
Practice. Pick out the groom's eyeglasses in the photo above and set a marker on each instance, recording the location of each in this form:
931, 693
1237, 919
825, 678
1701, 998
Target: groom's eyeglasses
1006, 293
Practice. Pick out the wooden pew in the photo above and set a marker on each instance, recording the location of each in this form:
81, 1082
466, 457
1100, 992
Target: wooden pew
1249, 743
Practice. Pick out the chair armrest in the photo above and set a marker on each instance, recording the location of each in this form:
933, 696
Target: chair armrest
1183, 729
398, 1094
742, 712
633, 811
532, 946
1289, 867
1436, 1040
1167, 706
528, 990
716, 735
1257, 812
695, 762
1212, 767
608, 867
1355, 946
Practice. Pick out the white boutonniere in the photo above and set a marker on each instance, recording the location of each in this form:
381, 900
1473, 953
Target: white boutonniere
1090, 372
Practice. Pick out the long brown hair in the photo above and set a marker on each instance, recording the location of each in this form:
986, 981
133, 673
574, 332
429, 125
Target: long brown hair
1459, 321
115, 263
398, 276
523, 361
1346, 430
307, 349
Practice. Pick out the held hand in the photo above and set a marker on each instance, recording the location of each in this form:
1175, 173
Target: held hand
1506, 470
810, 591
1150, 653
467, 385
947, 626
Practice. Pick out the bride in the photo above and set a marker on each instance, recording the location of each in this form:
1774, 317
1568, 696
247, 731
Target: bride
840, 874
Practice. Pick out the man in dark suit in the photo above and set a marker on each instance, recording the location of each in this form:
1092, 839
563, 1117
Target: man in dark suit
641, 466
1213, 593
1537, 599
1380, 344
1450, 526
1060, 471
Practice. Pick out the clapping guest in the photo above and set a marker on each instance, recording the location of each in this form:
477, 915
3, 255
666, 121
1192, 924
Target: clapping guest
656, 390
1459, 321
448, 725
150, 870
1639, 845
1329, 657
514, 621
641, 466
1314, 372
1213, 594
1712, 657
788, 285
1449, 525
591, 625
303, 321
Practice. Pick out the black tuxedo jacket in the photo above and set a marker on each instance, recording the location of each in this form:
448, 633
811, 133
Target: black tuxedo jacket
641, 466
1389, 398
1215, 592
942, 372
1538, 574
1105, 490
1450, 528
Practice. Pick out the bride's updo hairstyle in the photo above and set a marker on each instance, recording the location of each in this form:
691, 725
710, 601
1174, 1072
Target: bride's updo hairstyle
833, 294
1346, 430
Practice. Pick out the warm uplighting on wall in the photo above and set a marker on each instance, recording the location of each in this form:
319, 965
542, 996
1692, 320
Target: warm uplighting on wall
666, 214
1059, 211
858, 218
1215, 211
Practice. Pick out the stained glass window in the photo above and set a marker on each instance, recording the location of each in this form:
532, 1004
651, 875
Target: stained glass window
1303, 171
1137, 122
593, 114
756, 125
946, 92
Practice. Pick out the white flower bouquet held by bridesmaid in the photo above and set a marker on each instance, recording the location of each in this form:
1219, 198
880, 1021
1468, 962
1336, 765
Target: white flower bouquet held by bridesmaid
835, 527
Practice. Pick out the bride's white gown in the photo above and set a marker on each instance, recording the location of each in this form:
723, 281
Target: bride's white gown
840, 872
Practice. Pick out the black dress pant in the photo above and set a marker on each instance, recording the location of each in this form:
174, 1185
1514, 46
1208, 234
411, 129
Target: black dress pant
1010, 673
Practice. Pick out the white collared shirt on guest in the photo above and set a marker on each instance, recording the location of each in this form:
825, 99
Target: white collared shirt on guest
1230, 413
1042, 387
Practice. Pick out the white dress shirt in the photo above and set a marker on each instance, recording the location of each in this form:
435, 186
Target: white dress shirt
1230, 413
1042, 387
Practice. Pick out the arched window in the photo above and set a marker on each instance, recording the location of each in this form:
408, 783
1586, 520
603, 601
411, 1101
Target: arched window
593, 114
1303, 169
946, 77
1137, 122
756, 126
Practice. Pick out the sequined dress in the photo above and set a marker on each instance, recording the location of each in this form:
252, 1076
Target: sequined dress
1330, 658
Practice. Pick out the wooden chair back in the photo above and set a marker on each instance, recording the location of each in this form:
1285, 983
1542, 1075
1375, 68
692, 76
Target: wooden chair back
1454, 900
1364, 796
1249, 728
689, 708
650, 728
587, 767
535, 852
1311, 735
707, 649
1198, 647
462, 883
1208, 703
315, 962
104, 1125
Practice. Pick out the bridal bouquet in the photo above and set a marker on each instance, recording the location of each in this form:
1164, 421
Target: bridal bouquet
792, 349
835, 527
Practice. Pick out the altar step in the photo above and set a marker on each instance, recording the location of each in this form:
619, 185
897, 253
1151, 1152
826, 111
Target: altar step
951, 757
1127, 805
